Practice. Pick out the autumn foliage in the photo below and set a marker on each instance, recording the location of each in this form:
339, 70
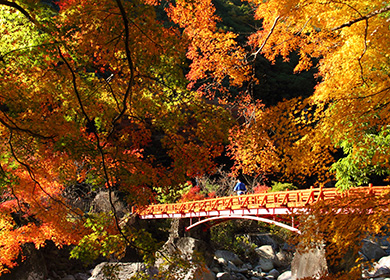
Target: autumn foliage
346, 41
192, 194
341, 225
93, 95
111, 95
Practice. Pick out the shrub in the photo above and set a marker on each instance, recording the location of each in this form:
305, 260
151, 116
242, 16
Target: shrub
278, 186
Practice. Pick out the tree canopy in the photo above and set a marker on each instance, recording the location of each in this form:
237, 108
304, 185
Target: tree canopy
131, 97
347, 39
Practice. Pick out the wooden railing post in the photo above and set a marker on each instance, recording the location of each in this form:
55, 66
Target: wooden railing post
370, 190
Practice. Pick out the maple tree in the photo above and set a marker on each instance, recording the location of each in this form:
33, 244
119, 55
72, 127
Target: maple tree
348, 40
349, 109
94, 92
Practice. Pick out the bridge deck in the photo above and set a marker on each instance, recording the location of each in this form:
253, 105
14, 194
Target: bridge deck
260, 204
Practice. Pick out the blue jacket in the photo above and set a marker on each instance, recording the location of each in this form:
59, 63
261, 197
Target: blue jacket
239, 187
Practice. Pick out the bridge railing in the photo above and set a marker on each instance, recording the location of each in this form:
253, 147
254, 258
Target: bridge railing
282, 199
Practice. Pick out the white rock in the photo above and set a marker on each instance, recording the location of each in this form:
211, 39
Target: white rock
222, 261
224, 276
123, 270
381, 267
285, 276
384, 262
266, 251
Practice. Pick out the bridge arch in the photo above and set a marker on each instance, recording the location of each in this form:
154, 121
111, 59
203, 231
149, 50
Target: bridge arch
248, 217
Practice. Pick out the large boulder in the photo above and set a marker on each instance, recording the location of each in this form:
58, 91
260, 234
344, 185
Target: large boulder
266, 265
224, 257
372, 250
267, 257
101, 203
122, 271
309, 263
285, 275
266, 252
283, 259
189, 247
261, 239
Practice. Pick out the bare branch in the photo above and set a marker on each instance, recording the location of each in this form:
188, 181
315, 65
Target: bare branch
74, 82
266, 39
36, 182
20, 9
366, 17
363, 53
13, 126
129, 61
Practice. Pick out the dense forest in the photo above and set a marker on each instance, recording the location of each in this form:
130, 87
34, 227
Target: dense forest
139, 98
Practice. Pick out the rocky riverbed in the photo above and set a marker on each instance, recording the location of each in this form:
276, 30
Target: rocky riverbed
271, 261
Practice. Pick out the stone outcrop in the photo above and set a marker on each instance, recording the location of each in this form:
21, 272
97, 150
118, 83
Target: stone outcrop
372, 250
309, 264
118, 270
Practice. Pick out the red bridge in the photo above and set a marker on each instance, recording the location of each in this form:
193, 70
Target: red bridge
272, 207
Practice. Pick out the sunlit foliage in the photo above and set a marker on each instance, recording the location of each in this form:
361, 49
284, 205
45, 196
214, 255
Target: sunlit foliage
104, 94
94, 93
341, 225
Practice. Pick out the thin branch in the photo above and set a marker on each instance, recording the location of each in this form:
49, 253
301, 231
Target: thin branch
366, 17
361, 17
20, 9
98, 143
36, 182
366, 96
128, 93
304, 26
146, 35
74, 82
297, 34
14, 126
107, 81
25, 48
100, 149
363, 53
266, 39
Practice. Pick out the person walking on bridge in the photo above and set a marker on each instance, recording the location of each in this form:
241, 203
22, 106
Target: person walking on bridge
239, 188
